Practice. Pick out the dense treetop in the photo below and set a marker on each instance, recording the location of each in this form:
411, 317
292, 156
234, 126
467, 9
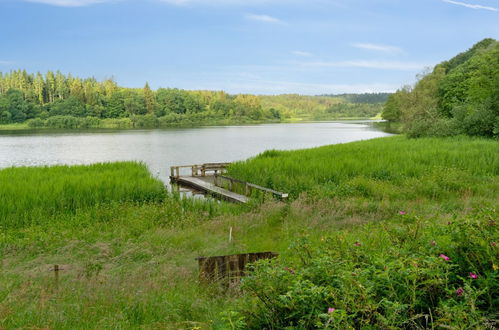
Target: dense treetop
460, 96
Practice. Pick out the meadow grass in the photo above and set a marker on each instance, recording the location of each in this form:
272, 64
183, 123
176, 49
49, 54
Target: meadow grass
130, 262
32, 195
385, 168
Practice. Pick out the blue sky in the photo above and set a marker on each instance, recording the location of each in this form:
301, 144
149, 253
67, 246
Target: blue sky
252, 46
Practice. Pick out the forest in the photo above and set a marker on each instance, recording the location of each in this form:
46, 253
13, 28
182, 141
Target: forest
57, 100
459, 96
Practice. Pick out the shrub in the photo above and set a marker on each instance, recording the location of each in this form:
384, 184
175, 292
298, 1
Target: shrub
411, 273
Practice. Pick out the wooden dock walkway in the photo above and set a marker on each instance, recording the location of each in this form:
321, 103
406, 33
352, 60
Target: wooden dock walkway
217, 184
206, 185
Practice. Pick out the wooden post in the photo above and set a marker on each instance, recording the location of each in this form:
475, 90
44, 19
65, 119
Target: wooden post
56, 275
247, 189
172, 171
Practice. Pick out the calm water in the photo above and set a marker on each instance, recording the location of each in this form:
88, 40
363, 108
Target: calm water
161, 148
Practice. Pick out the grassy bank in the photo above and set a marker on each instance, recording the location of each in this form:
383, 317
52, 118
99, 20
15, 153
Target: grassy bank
342, 240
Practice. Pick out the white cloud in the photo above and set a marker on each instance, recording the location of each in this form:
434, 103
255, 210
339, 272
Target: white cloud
378, 47
301, 53
6, 62
368, 64
68, 3
469, 5
264, 18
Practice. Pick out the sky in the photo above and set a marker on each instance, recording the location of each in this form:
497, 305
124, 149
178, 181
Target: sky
243, 46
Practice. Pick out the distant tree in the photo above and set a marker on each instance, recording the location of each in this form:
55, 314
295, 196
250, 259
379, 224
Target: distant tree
149, 99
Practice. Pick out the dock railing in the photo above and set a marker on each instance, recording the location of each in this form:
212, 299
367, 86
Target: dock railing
247, 187
199, 170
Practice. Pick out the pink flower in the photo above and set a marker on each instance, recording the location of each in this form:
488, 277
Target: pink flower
460, 291
357, 243
402, 212
330, 310
443, 256
473, 276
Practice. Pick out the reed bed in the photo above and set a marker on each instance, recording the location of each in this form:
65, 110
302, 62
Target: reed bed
34, 195
386, 167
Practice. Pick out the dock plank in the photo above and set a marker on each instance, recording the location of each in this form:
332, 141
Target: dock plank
210, 188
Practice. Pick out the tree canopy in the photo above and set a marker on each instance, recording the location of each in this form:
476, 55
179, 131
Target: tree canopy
459, 96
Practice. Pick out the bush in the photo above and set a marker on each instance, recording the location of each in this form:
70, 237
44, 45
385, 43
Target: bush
411, 273
36, 123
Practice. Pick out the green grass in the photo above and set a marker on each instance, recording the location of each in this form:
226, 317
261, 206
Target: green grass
393, 168
129, 260
31, 195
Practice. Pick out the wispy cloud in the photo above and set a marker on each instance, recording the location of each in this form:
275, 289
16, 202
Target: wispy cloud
301, 53
378, 47
264, 18
369, 64
68, 3
472, 6
6, 62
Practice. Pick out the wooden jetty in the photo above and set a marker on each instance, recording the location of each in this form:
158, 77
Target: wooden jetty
209, 179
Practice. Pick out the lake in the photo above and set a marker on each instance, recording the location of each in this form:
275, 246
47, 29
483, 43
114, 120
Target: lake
162, 148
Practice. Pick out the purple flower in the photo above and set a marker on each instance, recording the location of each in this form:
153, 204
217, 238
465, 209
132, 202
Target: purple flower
473, 276
459, 292
443, 256
357, 243
331, 310
402, 212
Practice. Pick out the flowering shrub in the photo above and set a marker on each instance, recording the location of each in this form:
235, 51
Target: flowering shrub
409, 273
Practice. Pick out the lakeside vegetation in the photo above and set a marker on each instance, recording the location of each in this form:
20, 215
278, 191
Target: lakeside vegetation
459, 96
129, 260
388, 233
55, 100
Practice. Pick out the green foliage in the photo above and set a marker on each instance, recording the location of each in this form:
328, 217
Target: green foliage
25, 96
366, 98
29, 195
394, 164
460, 96
128, 260
389, 275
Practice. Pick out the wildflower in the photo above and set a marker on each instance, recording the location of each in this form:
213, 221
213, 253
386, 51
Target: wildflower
290, 270
493, 244
330, 310
402, 212
357, 243
443, 256
459, 292
473, 276
433, 243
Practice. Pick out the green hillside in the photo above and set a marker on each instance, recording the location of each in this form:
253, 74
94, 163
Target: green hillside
460, 96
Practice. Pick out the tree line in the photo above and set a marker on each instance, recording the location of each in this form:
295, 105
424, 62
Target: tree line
25, 96
459, 96
57, 100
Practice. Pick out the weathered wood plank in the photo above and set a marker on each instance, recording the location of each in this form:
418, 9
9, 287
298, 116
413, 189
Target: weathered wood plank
210, 188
